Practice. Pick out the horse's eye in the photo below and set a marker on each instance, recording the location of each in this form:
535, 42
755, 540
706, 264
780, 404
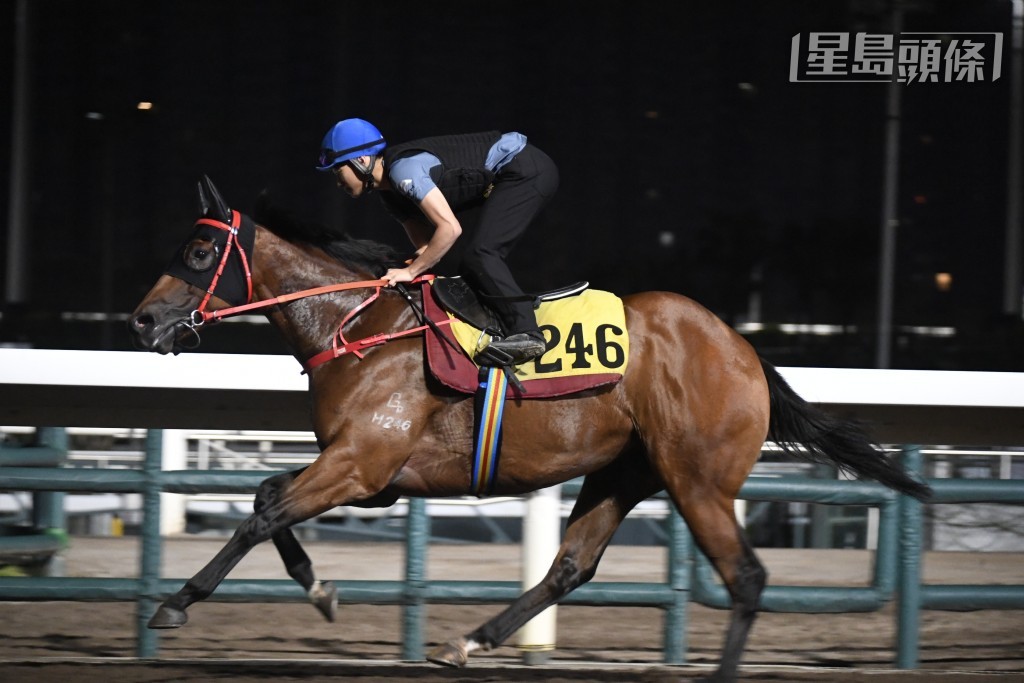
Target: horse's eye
200, 256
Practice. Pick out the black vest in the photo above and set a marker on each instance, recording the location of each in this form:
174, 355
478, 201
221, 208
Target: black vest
462, 177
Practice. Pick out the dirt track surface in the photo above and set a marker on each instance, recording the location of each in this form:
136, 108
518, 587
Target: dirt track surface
311, 671
242, 643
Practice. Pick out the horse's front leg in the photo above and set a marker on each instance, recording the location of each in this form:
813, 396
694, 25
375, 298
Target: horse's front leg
293, 498
323, 594
257, 528
604, 501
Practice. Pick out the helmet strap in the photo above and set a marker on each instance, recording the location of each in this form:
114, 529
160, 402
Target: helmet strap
365, 171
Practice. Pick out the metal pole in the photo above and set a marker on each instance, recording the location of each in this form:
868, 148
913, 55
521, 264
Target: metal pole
680, 564
173, 456
908, 615
416, 539
17, 280
48, 506
542, 533
890, 208
147, 643
1014, 186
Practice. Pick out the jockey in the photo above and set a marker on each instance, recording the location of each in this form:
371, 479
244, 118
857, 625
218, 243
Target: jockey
424, 183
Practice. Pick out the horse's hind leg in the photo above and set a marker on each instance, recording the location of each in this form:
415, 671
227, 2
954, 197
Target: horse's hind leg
604, 501
323, 595
704, 494
713, 524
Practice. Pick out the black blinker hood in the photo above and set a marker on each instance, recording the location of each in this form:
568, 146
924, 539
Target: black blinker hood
232, 286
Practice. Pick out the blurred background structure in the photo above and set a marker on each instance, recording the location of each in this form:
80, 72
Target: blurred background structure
689, 159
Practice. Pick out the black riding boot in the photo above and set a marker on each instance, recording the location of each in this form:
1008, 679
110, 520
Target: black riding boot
515, 349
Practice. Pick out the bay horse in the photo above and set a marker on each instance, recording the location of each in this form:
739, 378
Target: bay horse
689, 416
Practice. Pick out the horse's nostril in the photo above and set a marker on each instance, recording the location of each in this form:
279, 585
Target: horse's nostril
142, 321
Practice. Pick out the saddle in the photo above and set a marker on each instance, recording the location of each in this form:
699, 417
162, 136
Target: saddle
459, 299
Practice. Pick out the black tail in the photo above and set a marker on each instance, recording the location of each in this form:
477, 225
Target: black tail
831, 440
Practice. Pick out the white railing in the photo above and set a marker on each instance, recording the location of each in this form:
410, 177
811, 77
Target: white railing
264, 398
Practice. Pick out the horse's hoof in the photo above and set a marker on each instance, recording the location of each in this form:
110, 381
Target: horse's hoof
168, 617
325, 599
453, 653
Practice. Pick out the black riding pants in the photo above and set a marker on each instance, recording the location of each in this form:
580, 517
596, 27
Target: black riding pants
521, 189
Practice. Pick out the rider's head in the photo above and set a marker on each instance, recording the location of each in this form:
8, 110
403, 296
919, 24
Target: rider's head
347, 142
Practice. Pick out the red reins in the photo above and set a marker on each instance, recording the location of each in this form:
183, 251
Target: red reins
340, 346
201, 315
205, 316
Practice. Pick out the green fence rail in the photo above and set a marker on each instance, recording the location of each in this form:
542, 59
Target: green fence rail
896, 575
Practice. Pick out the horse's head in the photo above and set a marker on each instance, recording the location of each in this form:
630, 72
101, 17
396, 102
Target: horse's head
210, 271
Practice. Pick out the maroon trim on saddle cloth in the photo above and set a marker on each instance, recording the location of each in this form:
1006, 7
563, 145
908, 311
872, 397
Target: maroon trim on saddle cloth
457, 371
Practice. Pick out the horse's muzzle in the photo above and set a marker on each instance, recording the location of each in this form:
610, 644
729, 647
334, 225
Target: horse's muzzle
147, 334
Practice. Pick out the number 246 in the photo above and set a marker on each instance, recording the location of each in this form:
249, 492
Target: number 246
609, 353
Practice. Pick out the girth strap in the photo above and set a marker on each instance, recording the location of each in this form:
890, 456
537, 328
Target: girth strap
488, 409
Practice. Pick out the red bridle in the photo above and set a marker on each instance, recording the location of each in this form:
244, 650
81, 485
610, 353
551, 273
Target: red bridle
201, 315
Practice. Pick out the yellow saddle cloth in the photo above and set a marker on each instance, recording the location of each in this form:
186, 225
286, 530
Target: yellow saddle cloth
586, 338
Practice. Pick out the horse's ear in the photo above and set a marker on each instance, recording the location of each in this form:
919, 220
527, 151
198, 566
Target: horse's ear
211, 204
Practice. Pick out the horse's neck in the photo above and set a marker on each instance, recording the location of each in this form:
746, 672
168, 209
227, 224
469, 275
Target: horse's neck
307, 324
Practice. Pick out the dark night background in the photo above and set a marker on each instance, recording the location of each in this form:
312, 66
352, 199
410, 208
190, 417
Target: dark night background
688, 160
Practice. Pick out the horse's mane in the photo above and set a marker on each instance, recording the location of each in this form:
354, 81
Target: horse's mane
375, 257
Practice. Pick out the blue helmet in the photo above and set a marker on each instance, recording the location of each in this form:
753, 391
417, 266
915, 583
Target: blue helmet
347, 140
